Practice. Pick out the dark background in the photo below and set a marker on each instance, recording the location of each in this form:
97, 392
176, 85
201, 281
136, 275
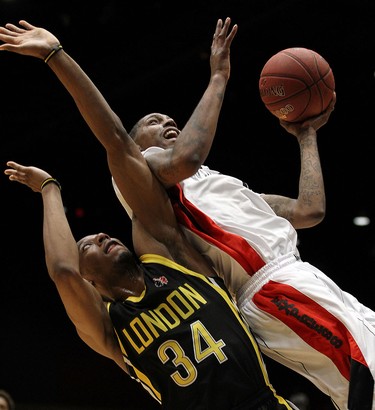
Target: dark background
148, 56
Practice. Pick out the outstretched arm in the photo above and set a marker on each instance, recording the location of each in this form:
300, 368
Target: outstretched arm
194, 142
82, 302
136, 182
309, 208
37, 42
126, 163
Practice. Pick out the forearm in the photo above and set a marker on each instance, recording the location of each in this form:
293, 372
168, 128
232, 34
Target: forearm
59, 244
194, 143
311, 196
95, 110
202, 125
40, 43
195, 140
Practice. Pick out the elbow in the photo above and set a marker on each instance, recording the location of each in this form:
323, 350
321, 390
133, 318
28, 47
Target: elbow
319, 212
307, 216
176, 170
318, 217
310, 210
193, 165
314, 217
190, 166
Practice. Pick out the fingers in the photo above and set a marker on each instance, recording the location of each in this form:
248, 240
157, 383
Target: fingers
219, 25
231, 34
15, 173
221, 30
27, 25
24, 26
13, 28
7, 35
29, 176
221, 36
15, 176
333, 102
14, 165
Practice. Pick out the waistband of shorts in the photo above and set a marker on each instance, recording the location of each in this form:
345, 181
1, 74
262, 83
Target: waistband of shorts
263, 275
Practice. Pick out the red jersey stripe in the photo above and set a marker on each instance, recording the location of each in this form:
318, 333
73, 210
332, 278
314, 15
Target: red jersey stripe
196, 221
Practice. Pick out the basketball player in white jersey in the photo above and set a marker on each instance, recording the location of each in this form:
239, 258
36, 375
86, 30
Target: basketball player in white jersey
300, 317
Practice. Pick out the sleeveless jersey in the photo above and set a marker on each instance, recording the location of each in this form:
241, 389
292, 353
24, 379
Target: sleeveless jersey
221, 197
230, 224
184, 340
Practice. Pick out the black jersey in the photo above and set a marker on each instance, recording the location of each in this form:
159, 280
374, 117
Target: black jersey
184, 340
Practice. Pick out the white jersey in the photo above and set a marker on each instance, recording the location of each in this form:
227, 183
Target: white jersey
221, 197
299, 316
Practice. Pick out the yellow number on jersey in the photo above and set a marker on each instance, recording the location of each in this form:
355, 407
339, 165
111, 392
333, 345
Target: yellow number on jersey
204, 345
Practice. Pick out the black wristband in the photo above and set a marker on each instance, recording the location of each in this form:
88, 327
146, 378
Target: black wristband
54, 50
48, 181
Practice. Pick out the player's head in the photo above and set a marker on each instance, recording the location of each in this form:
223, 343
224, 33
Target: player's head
106, 263
155, 130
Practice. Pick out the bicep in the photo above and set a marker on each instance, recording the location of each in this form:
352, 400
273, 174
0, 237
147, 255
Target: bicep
282, 206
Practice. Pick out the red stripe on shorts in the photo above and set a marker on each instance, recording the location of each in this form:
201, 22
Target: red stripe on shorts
310, 321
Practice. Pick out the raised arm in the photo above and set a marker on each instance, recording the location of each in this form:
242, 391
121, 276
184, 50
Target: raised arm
82, 302
309, 208
37, 42
194, 143
125, 161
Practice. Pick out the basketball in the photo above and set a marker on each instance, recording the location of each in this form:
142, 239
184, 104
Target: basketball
296, 83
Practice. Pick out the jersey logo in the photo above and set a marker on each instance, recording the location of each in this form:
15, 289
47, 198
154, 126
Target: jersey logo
161, 281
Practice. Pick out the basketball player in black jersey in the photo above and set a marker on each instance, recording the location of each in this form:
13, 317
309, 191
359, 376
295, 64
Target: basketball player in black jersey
156, 316
158, 319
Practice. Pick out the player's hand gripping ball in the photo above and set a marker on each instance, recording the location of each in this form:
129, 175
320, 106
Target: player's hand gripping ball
296, 83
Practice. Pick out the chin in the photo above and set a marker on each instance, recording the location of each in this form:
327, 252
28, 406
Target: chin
169, 143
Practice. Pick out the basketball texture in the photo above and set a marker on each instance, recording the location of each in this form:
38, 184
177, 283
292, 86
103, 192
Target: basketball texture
296, 83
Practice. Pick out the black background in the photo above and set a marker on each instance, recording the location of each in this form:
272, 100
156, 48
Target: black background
149, 56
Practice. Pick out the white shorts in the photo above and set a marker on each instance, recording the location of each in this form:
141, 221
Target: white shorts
304, 321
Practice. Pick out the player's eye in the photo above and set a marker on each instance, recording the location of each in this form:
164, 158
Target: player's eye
85, 246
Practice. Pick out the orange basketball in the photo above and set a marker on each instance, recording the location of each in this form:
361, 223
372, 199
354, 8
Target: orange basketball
296, 83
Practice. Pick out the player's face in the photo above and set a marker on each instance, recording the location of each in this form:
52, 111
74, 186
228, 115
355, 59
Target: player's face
156, 130
99, 254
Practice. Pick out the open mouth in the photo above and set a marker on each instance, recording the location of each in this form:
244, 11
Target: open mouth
110, 246
171, 134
